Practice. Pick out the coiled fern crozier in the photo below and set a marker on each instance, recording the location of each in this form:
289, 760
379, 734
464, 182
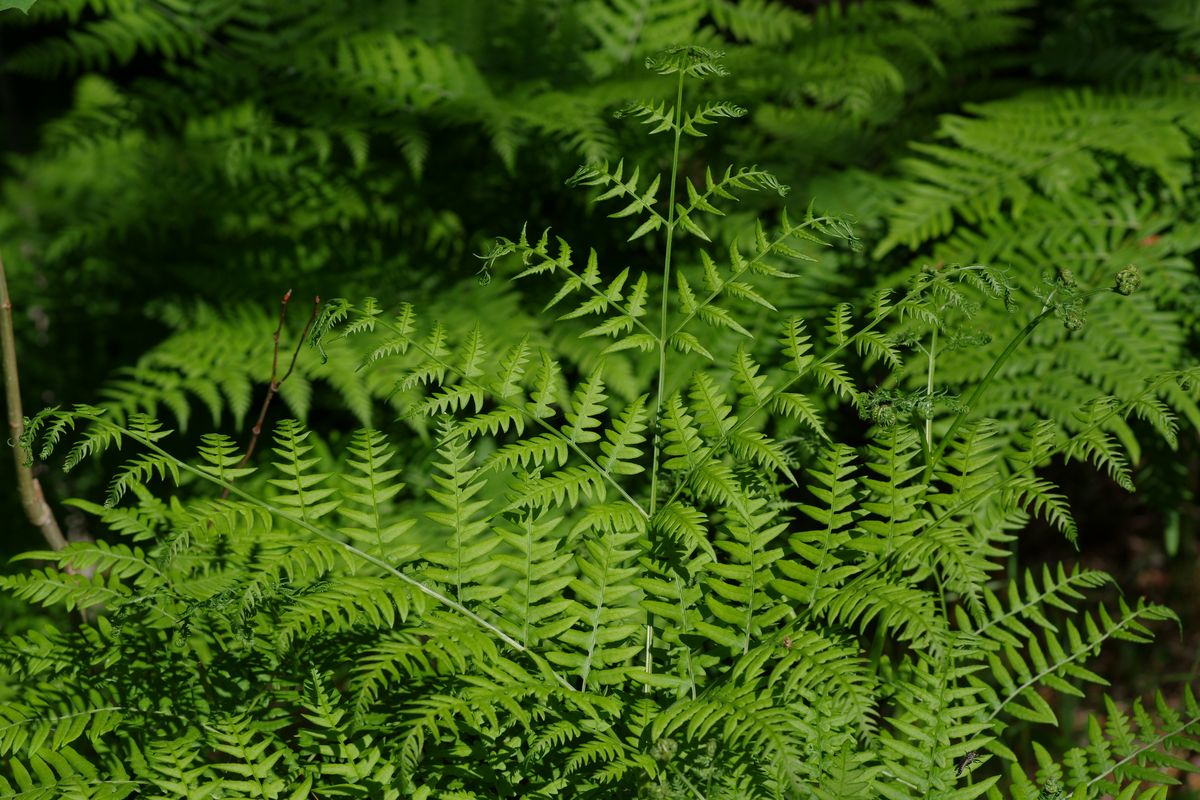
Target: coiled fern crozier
697, 592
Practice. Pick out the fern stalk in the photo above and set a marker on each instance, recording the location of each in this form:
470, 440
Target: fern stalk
666, 294
933, 339
982, 386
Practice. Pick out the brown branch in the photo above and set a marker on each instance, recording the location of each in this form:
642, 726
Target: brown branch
30, 489
273, 386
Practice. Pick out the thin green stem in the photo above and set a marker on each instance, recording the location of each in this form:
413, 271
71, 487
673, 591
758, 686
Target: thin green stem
666, 295
691, 787
929, 391
649, 659
982, 386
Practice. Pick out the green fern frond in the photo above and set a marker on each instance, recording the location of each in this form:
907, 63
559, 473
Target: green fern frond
1129, 751
892, 502
350, 603
535, 604
26, 729
628, 29
1040, 498
933, 730
758, 21
252, 761
639, 201
372, 489
561, 487
903, 610
739, 582
136, 472
302, 489
463, 562
1051, 664
594, 578
221, 459
1025, 600
621, 451
605, 638
172, 765
819, 568
1061, 136
60, 772
51, 587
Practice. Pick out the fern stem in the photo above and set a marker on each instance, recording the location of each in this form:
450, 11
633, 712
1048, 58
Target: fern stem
929, 390
691, 786
980, 388
649, 662
28, 487
1047, 309
666, 295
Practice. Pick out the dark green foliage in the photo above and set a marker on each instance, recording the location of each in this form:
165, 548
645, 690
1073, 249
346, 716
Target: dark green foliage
218, 149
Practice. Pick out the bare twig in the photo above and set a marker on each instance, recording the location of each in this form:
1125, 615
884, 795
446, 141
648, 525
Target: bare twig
273, 386
30, 489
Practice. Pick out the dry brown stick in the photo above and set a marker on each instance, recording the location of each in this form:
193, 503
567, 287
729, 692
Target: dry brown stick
273, 386
30, 489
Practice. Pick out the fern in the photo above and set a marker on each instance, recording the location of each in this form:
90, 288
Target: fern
695, 586
985, 175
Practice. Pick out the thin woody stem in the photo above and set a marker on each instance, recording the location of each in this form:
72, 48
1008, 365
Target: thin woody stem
312, 317
275, 383
28, 487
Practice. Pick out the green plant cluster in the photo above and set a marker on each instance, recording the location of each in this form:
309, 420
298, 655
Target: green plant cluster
699, 493
196, 151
